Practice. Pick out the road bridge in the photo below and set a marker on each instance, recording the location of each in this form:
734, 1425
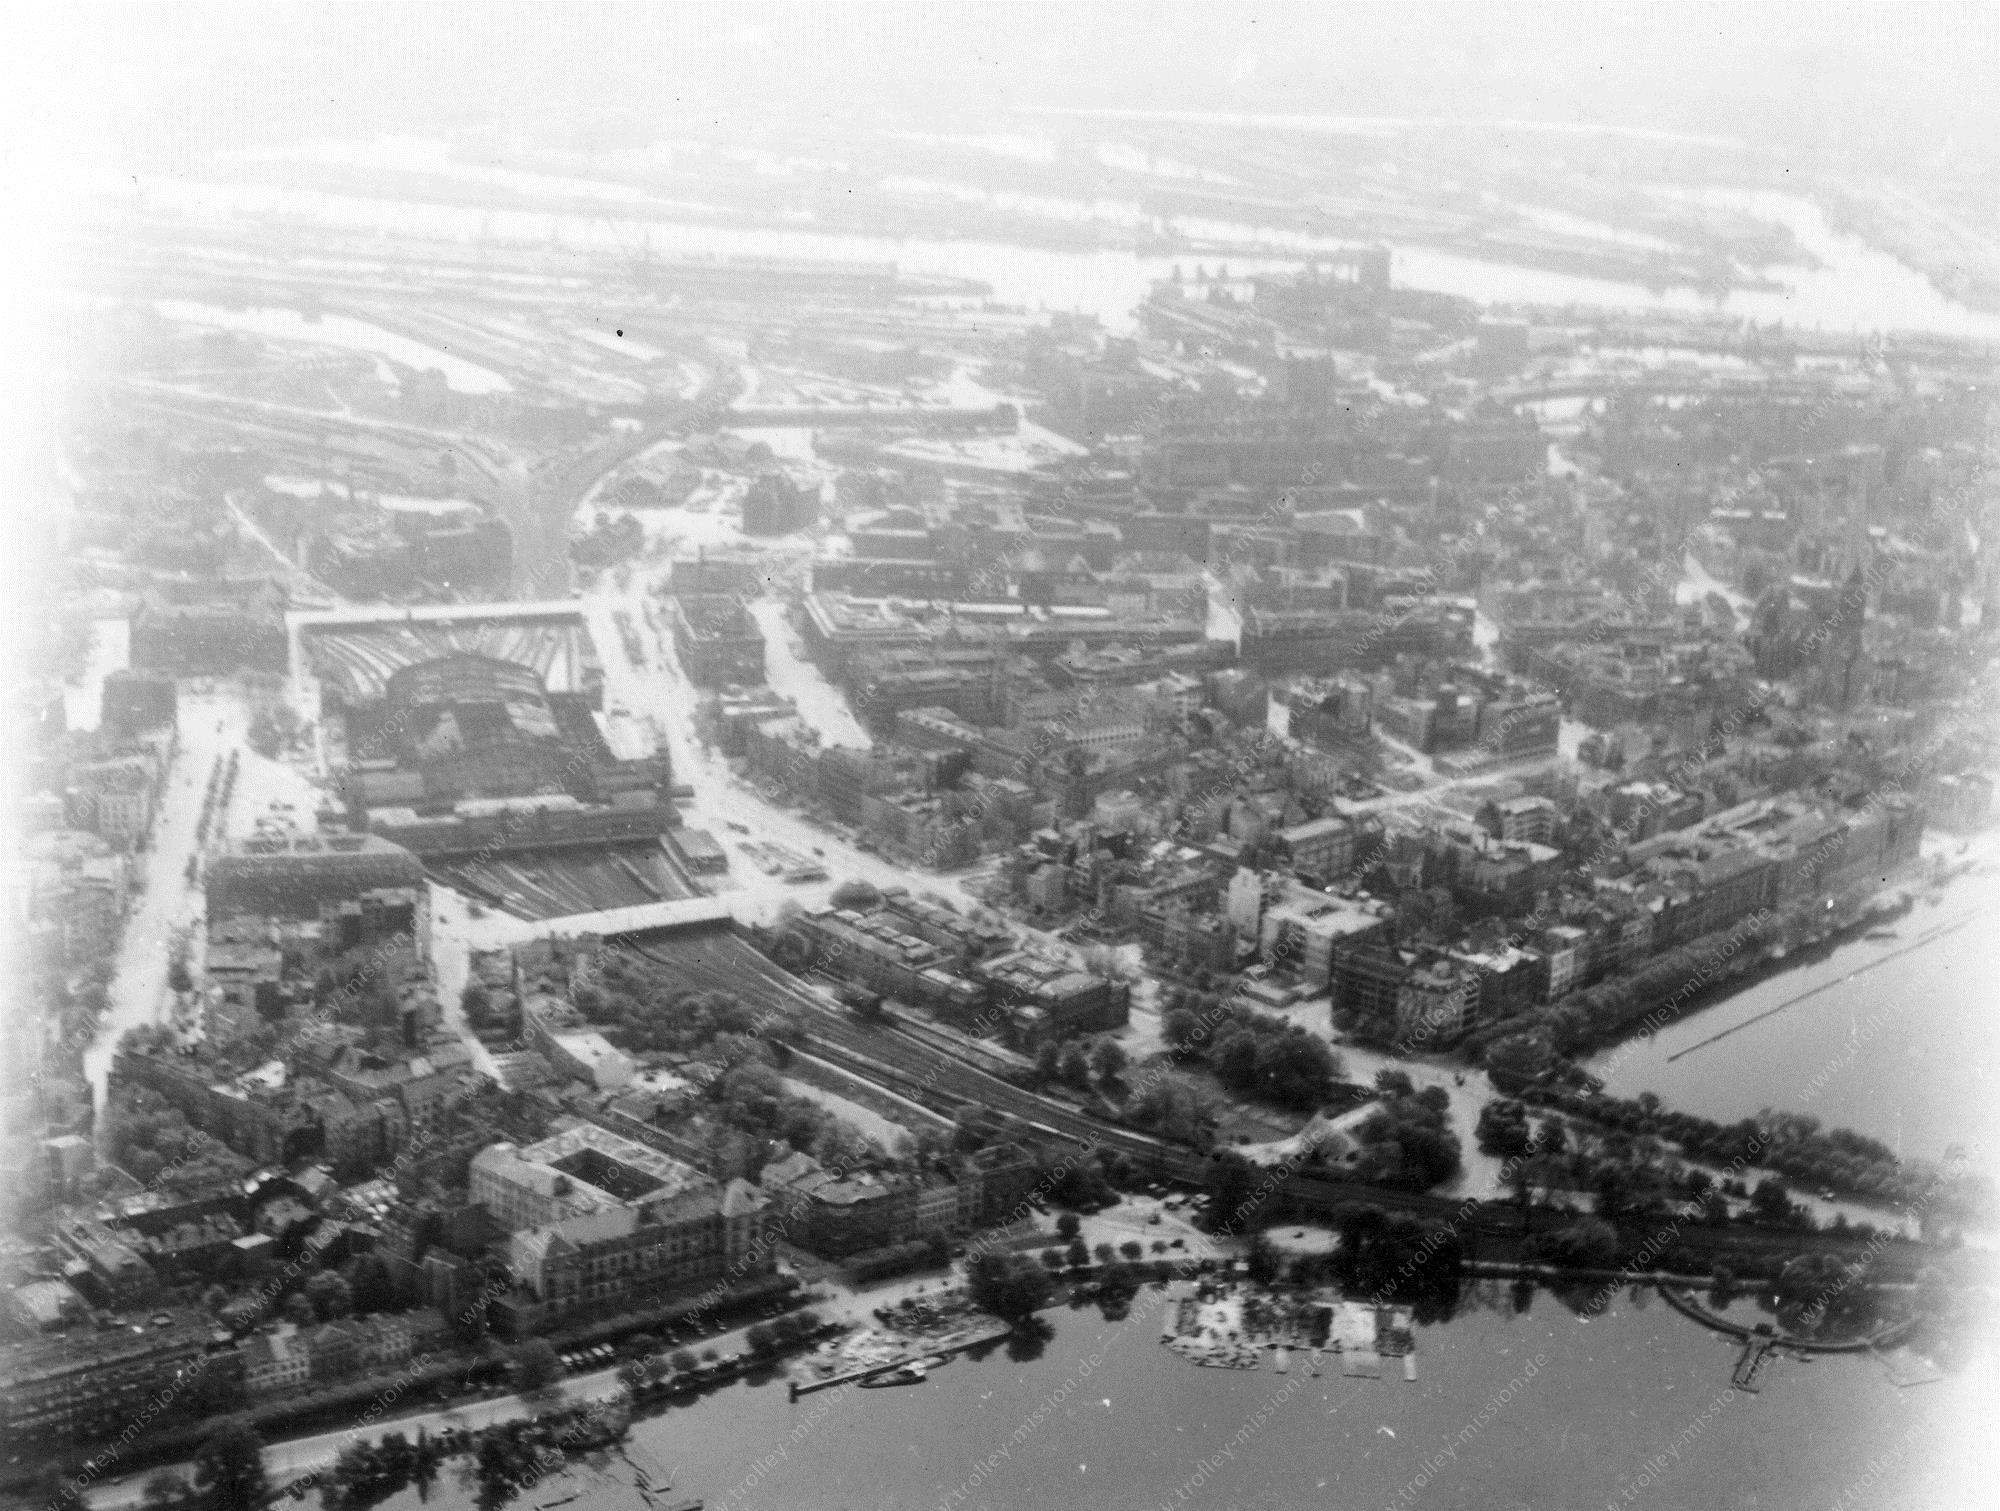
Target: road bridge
644, 921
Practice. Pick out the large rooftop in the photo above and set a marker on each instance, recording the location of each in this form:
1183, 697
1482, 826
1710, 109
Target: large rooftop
595, 1151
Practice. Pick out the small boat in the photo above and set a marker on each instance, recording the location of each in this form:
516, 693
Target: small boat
904, 1374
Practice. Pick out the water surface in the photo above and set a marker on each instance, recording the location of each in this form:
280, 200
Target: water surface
1904, 1050
1542, 1410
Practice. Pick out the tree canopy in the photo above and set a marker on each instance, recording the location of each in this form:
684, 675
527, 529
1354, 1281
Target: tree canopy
1408, 1142
535, 1364
1010, 1286
229, 1467
856, 894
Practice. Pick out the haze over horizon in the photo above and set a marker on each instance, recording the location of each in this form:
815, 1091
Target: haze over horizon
1889, 87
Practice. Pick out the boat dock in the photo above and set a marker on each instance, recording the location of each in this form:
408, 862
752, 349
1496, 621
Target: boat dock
868, 1371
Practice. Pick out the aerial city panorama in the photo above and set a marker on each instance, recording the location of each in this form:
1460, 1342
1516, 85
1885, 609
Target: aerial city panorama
1022, 756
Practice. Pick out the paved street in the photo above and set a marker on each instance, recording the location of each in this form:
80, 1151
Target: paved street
211, 724
288, 1459
721, 799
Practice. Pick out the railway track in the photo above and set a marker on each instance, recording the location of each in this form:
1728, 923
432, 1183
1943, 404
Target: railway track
923, 1073
931, 1076
550, 884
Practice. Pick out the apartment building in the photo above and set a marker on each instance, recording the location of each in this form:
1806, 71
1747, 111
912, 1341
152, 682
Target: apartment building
81, 1385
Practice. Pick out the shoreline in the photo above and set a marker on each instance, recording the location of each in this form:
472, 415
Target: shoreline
1895, 899
1937, 1024
1918, 943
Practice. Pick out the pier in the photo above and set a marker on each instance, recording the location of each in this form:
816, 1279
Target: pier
1760, 1341
869, 1371
1694, 1311
1750, 1364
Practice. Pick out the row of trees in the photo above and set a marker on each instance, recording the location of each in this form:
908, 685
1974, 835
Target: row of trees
1794, 1144
1078, 1254
1601, 1013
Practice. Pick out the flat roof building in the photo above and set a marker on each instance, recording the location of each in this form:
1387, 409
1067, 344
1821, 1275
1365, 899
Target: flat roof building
1303, 929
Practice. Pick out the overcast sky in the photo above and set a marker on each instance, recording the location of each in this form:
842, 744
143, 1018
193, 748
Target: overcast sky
1897, 84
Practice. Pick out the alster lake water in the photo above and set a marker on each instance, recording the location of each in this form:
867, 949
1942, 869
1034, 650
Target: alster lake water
1893, 1036
1542, 1409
